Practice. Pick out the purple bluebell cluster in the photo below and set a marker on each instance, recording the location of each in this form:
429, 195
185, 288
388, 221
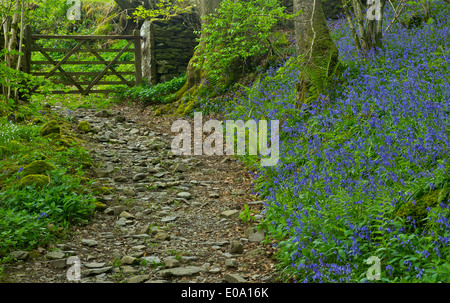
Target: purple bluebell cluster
351, 159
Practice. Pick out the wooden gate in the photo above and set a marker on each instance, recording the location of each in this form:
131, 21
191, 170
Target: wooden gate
71, 78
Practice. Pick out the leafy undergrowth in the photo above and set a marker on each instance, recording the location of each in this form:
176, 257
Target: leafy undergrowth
364, 171
42, 181
146, 94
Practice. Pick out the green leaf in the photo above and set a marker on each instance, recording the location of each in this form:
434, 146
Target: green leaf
342, 254
306, 252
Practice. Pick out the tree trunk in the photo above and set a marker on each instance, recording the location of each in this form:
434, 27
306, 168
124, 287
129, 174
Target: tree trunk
12, 23
126, 4
196, 75
316, 51
129, 6
366, 34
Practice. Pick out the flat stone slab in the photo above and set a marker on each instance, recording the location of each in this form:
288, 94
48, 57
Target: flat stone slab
230, 214
97, 271
184, 194
217, 243
152, 259
54, 255
103, 172
139, 177
214, 195
181, 271
234, 278
19, 255
126, 215
137, 279
94, 265
90, 242
257, 236
60, 263
169, 219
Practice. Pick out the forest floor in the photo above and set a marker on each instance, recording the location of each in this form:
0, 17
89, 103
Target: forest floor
167, 218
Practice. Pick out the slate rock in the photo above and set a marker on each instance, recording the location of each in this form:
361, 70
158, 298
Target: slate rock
162, 235
171, 262
94, 265
126, 215
90, 242
97, 271
121, 179
230, 214
139, 177
53, 255
256, 253
169, 219
59, 263
234, 278
231, 263
103, 172
137, 279
152, 259
184, 195
236, 247
181, 271
128, 260
19, 255
257, 236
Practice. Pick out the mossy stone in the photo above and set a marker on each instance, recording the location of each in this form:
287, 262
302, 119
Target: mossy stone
51, 127
36, 121
38, 167
99, 206
418, 210
34, 180
64, 142
84, 127
103, 191
54, 136
84, 180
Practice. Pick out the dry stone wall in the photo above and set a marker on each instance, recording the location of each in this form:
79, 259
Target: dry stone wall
167, 47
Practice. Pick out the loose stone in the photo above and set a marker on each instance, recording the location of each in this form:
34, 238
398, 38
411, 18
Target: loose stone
181, 271
234, 278
53, 255
230, 214
90, 242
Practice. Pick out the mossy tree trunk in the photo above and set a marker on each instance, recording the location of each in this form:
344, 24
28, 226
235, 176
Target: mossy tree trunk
316, 52
128, 4
195, 75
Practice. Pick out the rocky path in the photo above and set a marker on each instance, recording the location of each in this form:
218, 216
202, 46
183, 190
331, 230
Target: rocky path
167, 218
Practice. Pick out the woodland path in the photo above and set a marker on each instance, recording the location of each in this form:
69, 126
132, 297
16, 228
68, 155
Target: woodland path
167, 218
